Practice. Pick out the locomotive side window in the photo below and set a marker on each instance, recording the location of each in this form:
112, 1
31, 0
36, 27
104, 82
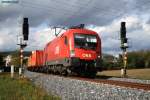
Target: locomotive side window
85, 41
66, 40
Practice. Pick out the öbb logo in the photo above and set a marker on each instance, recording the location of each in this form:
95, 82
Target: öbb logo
86, 55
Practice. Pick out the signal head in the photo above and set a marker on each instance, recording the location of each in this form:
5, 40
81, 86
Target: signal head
25, 28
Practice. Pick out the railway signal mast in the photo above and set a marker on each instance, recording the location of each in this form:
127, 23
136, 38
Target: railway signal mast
23, 41
124, 46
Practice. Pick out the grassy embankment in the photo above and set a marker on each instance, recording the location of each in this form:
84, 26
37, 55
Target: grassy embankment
132, 73
21, 89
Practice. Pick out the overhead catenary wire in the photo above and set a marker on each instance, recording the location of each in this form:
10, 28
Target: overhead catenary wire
56, 11
52, 8
49, 8
53, 11
102, 11
49, 11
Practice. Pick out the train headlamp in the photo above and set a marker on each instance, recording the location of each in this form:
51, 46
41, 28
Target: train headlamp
72, 53
98, 56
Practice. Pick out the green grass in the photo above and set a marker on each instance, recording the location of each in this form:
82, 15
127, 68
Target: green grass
132, 73
21, 89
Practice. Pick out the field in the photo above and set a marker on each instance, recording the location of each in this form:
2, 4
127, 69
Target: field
132, 73
21, 89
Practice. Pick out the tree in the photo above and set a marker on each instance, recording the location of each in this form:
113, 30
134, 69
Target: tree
2, 63
15, 59
109, 62
136, 59
139, 59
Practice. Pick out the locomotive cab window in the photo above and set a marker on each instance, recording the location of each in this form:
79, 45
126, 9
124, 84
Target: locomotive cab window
85, 41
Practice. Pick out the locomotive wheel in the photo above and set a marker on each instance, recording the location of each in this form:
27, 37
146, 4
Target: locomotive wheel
89, 74
64, 72
92, 75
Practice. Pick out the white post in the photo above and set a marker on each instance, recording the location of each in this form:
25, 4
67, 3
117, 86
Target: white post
122, 72
20, 71
12, 71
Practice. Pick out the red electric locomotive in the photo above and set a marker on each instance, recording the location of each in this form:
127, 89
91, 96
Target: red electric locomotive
77, 50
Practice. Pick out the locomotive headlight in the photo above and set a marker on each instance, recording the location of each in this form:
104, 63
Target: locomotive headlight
72, 53
98, 56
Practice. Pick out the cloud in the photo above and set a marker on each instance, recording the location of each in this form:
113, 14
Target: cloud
7, 42
137, 33
56, 12
39, 39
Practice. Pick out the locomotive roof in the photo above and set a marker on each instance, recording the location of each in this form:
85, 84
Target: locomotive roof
82, 30
77, 30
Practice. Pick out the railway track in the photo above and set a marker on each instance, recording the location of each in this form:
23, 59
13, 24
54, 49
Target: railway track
90, 89
145, 87
133, 85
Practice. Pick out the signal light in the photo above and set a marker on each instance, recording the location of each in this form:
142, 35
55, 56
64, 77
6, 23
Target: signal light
123, 30
25, 28
123, 33
123, 38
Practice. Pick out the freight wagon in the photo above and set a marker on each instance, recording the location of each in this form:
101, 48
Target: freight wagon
35, 61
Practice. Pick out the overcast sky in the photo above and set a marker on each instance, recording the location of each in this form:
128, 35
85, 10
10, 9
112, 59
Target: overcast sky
102, 16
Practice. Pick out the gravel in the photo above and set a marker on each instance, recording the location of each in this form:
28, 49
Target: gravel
71, 89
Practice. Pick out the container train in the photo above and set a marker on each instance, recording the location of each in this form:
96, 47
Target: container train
77, 50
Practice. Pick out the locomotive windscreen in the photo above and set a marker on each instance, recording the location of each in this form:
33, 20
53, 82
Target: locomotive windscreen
85, 41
